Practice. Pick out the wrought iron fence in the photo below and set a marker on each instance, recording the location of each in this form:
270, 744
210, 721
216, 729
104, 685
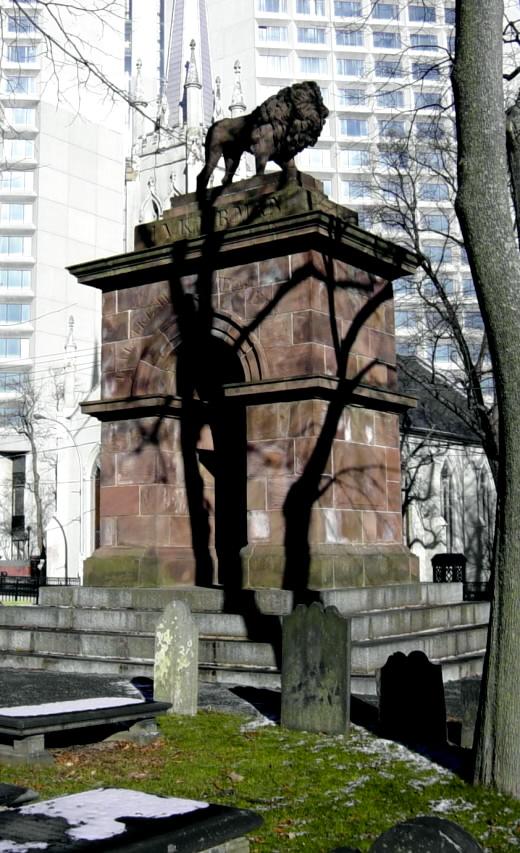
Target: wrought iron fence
26, 588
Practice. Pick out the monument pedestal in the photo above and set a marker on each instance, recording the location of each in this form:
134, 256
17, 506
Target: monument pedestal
250, 416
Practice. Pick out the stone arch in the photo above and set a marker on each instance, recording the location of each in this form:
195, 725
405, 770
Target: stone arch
155, 371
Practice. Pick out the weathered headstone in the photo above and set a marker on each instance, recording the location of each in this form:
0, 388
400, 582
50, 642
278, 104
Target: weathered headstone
427, 834
469, 699
412, 707
316, 670
176, 659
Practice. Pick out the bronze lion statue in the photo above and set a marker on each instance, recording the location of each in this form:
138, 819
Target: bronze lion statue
277, 130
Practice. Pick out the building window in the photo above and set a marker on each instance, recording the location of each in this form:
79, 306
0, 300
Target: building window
388, 68
18, 84
353, 127
310, 7
10, 347
11, 382
347, 9
423, 41
468, 288
16, 181
19, 149
15, 245
391, 128
394, 99
473, 320
12, 313
352, 97
15, 214
350, 38
12, 279
433, 191
272, 5
274, 63
422, 13
327, 187
427, 101
21, 53
20, 24
386, 40
272, 33
392, 158
311, 35
354, 158
350, 67
406, 319
355, 189
438, 254
384, 11
428, 129
312, 64
449, 15
21, 116
315, 158
436, 222
425, 71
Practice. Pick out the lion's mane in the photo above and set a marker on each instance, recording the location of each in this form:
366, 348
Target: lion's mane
296, 114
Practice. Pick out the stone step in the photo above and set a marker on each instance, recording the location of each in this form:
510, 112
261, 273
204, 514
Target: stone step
269, 601
370, 655
453, 669
415, 620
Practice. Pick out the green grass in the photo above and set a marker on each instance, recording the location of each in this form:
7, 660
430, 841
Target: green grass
314, 792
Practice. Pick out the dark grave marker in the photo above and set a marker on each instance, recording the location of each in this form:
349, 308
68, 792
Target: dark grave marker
316, 670
469, 699
412, 706
427, 835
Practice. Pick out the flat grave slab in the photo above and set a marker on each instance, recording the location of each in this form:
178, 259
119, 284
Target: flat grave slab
116, 819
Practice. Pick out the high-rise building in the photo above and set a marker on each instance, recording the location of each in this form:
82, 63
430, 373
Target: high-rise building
62, 152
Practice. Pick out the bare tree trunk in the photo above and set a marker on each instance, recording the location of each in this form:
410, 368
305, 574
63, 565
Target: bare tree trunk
513, 152
484, 209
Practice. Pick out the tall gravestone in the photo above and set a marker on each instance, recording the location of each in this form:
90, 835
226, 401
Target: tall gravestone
316, 670
219, 367
177, 659
412, 706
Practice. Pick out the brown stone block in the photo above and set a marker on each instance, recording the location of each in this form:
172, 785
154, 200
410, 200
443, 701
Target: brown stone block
143, 530
307, 417
257, 299
372, 373
163, 500
277, 527
127, 354
233, 302
360, 476
303, 448
137, 467
169, 432
117, 385
119, 500
317, 527
107, 531
258, 526
274, 270
387, 429
393, 464
116, 435
276, 330
382, 346
171, 468
391, 382
109, 302
369, 525
297, 360
262, 421
180, 531
359, 426
394, 496
331, 364
270, 458
293, 296
144, 295
153, 380
377, 319
147, 321
361, 345
115, 327
351, 528
108, 358
311, 326
302, 263
390, 317
256, 494
236, 278
107, 466
389, 527
277, 489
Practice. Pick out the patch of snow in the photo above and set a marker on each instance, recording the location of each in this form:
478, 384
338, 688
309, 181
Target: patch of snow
69, 706
7, 846
258, 723
447, 806
93, 815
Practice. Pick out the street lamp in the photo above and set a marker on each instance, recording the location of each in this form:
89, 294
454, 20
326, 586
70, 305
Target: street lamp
39, 417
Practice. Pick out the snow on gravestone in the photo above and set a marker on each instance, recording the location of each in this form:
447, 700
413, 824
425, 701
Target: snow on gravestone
177, 659
316, 670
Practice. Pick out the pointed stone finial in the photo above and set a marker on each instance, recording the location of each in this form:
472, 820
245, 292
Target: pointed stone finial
192, 75
218, 110
237, 105
70, 343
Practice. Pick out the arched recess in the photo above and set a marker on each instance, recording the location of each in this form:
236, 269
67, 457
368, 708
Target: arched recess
448, 504
156, 369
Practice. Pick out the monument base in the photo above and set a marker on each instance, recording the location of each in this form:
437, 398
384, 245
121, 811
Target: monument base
332, 566
140, 567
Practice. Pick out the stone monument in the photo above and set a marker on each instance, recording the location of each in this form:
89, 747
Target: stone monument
249, 407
